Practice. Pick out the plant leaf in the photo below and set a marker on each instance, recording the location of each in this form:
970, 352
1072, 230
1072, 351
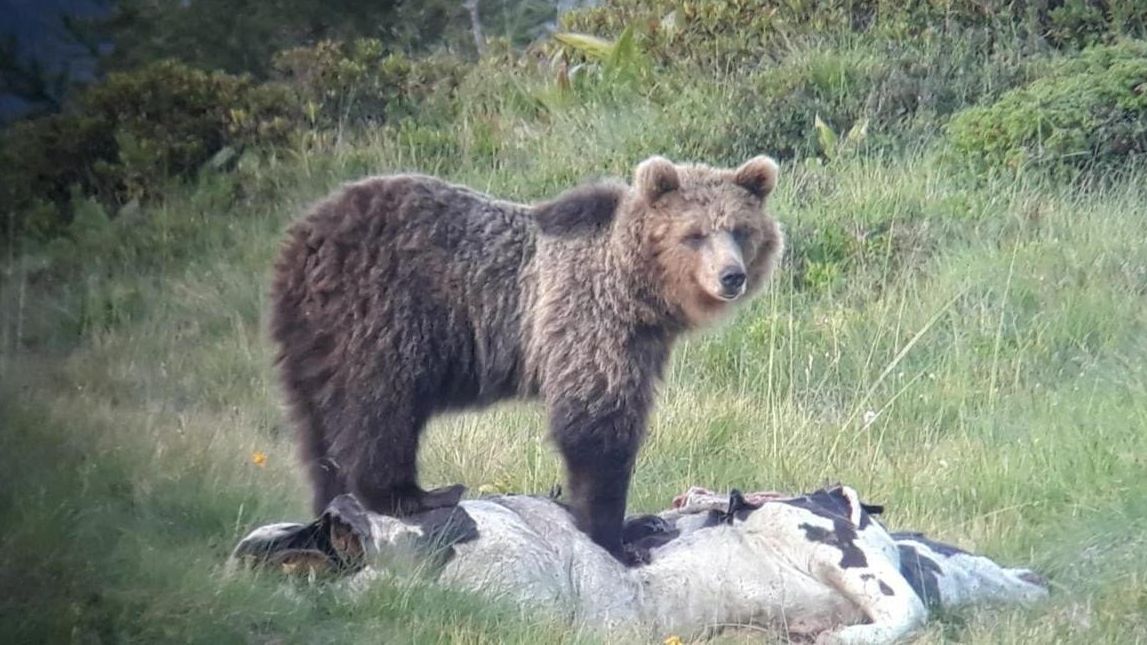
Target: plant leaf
858, 132
592, 46
825, 137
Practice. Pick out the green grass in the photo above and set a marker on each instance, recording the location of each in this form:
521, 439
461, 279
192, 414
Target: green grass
969, 353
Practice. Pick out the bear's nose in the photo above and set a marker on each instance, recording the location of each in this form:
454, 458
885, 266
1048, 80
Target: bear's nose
732, 279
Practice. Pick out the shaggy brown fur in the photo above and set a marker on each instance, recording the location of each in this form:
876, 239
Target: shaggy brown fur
401, 297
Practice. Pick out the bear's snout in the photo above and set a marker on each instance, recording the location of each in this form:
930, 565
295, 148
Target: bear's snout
732, 282
723, 276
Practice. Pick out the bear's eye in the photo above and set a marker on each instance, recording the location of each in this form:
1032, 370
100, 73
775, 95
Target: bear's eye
694, 238
740, 234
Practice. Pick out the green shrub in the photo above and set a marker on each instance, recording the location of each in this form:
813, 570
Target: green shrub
723, 32
901, 92
169, 119
124, 136
1066, 24
360, 82
1088, 109
711, 33
1090, 22
40, 160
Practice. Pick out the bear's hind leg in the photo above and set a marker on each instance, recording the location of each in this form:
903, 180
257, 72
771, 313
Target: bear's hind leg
326, 482
326, 479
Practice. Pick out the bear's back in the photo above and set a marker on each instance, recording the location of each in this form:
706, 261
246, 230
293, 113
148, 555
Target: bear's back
423, 272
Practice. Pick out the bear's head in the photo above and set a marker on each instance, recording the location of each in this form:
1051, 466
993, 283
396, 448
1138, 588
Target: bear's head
705, 232
684, 242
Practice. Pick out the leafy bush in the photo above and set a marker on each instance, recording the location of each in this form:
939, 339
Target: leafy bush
41, 160
168, 120
714, 33
1089, 22
125, 136
238, 35
723, 32
361, 83
1092, 108
897, 92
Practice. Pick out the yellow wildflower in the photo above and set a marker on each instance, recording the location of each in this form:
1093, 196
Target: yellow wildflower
259, 458
500, 485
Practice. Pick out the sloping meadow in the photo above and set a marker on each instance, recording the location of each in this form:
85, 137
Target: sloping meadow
964, 347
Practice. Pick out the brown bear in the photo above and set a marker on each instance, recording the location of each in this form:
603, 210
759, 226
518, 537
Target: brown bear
400, 297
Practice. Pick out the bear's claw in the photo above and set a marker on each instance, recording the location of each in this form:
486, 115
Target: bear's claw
443, 497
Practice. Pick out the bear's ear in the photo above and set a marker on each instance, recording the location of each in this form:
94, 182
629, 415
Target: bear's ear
757, 175
581, 211
654, 177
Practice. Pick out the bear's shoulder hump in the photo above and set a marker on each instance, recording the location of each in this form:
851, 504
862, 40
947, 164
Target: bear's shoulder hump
584, 210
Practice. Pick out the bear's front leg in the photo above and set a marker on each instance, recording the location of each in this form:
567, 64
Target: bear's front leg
599, 442
598, 490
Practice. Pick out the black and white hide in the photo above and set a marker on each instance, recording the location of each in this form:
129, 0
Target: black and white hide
817, 565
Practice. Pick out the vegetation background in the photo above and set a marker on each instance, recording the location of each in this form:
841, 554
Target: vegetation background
957, 330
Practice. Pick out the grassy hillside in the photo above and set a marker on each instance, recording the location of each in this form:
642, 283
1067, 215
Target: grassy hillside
963, 347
